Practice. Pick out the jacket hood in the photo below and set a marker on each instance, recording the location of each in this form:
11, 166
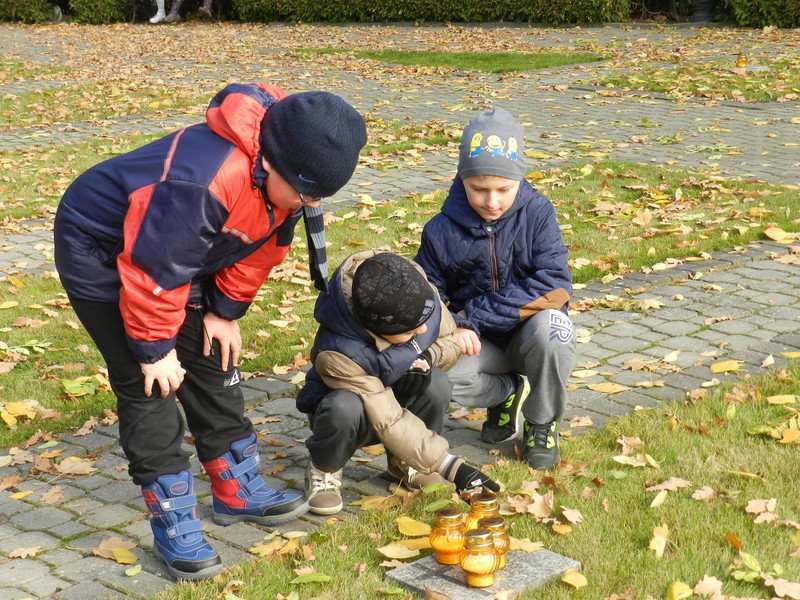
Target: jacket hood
235, 113
456, 207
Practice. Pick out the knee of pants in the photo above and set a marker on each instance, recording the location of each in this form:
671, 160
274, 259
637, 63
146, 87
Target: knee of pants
440, 390
547, 331
339, 410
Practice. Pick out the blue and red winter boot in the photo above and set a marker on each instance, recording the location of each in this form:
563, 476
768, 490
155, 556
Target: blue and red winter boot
176, 530
240, 493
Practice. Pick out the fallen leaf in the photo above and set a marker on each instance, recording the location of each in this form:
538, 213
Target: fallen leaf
659, 499
397, 551
574, 578
659, 542
678, 590
411, 527
24, 552
726, 366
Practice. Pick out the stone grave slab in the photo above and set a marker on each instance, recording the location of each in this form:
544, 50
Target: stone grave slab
523, 571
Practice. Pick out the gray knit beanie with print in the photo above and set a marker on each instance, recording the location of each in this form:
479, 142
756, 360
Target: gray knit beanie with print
492, 144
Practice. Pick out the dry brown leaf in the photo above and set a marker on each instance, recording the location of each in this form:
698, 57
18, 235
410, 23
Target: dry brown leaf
671, 484
25, 552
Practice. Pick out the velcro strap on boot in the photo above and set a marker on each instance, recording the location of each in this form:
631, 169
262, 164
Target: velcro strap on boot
248, 464
184, 527
178, 503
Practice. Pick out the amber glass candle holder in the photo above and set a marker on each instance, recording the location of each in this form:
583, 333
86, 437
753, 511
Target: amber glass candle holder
447, 535
502, 542
479, 558
481, 506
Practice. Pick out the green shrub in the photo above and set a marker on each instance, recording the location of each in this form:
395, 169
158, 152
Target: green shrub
469, 11
27, 11
98, 12
762, 13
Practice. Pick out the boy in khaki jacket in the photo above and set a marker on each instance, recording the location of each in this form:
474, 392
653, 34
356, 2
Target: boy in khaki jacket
378, 375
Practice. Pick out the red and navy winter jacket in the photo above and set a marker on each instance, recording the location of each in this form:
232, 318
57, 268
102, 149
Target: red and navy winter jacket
501, 273
180, 221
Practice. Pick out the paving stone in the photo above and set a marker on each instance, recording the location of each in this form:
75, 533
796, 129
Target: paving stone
90, 590
11, 593
41, 518
119, 492
46, 585
16, 573
29, 539
523, 571
108, 516
59, 556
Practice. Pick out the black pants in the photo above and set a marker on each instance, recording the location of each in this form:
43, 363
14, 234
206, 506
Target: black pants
340, 426
151, 428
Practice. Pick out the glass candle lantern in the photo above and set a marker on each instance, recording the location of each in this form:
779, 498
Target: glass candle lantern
482, 505
479, 559
502, 542
447, 535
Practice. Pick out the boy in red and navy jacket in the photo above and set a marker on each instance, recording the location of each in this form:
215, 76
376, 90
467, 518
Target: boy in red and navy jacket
160, 251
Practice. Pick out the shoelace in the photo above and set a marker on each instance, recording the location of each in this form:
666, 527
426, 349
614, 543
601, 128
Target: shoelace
540, 433
322, 480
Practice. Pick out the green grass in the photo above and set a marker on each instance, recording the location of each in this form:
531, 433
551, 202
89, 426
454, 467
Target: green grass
779, 80
487, 62
706, 443
600, 206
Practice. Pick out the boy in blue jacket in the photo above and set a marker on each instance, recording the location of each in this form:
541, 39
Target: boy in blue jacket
496, 255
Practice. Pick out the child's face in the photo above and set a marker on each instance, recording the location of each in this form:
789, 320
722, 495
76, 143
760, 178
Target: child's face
490, 196
280, 193
402, 338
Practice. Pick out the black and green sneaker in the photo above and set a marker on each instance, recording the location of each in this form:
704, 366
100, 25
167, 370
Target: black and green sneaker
540, 445
502, 421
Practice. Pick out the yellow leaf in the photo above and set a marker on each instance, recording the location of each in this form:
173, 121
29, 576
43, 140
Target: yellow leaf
266, 549
124, 557
777, 234
375, 450
659, 499
608, 387
19, 409
8, 418
20, 495
788, 399
416, 543
525, 544
8, 304
574, 578
790, 354
726, 366
678, 590
397, 551
411, 527
133, 570
790, 436
15, 281
659, 542
562, 529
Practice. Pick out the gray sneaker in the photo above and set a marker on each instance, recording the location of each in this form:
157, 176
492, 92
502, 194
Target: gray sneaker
322, 490
540, 445
408, 476
170, 18
502, 421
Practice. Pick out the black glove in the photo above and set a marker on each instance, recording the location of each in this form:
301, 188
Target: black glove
470, 480
416, 380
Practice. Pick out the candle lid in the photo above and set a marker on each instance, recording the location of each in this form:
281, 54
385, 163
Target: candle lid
477, 538
493, 524
448, 516
484, 501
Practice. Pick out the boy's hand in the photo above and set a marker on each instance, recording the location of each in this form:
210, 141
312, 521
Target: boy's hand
416, 380
167, 373
229, 338
470, 480
468, 340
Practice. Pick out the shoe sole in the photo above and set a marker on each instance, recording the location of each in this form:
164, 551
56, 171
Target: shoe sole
331, 510
204, 574
268, 521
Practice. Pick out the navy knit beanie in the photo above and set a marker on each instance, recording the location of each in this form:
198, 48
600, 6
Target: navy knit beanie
312, 139
492, 144
390, 295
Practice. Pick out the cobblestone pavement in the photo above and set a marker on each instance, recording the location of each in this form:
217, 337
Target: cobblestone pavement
739, 304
